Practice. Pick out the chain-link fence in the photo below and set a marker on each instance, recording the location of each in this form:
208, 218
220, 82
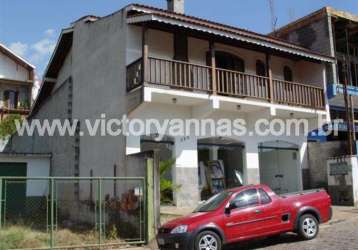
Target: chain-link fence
66, 212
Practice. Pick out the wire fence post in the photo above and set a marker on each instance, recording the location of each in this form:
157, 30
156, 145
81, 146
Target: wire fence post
52, 207
0, 203
150, 227
99, 193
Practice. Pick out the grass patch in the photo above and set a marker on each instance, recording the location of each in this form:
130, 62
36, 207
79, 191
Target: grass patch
17, 237
22, 237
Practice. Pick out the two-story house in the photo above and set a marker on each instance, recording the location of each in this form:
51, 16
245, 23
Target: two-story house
16, 82
146, 62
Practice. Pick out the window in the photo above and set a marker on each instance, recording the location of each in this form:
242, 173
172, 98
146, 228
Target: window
214, 202
225, 60
260, 68
10, 99
287, 74
246, 199
264, 197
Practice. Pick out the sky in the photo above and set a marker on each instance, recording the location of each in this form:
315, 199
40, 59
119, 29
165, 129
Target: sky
31, 28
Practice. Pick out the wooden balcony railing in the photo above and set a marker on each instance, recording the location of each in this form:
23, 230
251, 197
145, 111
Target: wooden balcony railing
297, 94
194, 77
240, 84
179, 74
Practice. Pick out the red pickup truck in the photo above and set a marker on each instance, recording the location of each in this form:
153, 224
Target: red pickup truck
245, 213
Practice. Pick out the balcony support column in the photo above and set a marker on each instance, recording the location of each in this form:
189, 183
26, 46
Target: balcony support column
145, 53
213, 67
269, 75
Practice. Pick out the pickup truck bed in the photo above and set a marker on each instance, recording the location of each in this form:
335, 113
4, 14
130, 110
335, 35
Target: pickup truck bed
301, 192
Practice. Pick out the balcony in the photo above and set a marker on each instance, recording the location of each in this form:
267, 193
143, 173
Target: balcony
216, 81
21, 108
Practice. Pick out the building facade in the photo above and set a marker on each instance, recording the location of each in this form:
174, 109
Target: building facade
16, 82
149, 63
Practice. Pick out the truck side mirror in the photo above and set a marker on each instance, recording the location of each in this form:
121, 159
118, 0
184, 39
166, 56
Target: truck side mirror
230, 206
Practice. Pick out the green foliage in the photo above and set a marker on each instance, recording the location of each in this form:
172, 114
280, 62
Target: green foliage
24, 105
165, 166
166, 186
113, 233
7, 125
21, 237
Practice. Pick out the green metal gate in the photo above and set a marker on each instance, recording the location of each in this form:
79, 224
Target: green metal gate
18, 189
72, 212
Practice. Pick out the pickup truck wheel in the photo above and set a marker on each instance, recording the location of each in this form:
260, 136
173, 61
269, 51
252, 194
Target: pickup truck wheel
208, 240
308, 227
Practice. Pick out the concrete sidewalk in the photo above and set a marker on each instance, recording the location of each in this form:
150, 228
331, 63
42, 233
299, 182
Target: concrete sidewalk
342, 213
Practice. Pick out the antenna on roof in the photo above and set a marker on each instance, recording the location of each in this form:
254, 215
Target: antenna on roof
273, 15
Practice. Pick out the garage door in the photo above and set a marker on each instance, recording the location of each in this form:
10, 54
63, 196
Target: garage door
14, 188
279, 168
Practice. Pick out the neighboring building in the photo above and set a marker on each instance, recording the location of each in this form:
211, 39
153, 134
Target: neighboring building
333, 33
16, 82
146, 62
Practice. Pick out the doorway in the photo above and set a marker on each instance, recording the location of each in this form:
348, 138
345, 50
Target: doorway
221, 165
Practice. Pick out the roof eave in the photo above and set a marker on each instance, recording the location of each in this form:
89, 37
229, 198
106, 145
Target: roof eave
63, 32
19, 58
149, 17
45, 75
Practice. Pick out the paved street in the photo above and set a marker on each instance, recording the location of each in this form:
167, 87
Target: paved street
340, 234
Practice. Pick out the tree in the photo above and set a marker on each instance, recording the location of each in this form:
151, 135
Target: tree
7, 125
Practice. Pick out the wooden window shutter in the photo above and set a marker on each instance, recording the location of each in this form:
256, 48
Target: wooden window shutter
181, 46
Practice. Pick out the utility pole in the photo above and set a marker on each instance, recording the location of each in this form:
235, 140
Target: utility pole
348, 100
348, 111
273, 15
353, 124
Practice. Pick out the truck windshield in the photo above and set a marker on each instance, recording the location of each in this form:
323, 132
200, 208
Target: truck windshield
214, 202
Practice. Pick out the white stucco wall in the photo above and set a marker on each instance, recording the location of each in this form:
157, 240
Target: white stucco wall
36, 167
161, 44
197, 49
311, 73
11, 70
